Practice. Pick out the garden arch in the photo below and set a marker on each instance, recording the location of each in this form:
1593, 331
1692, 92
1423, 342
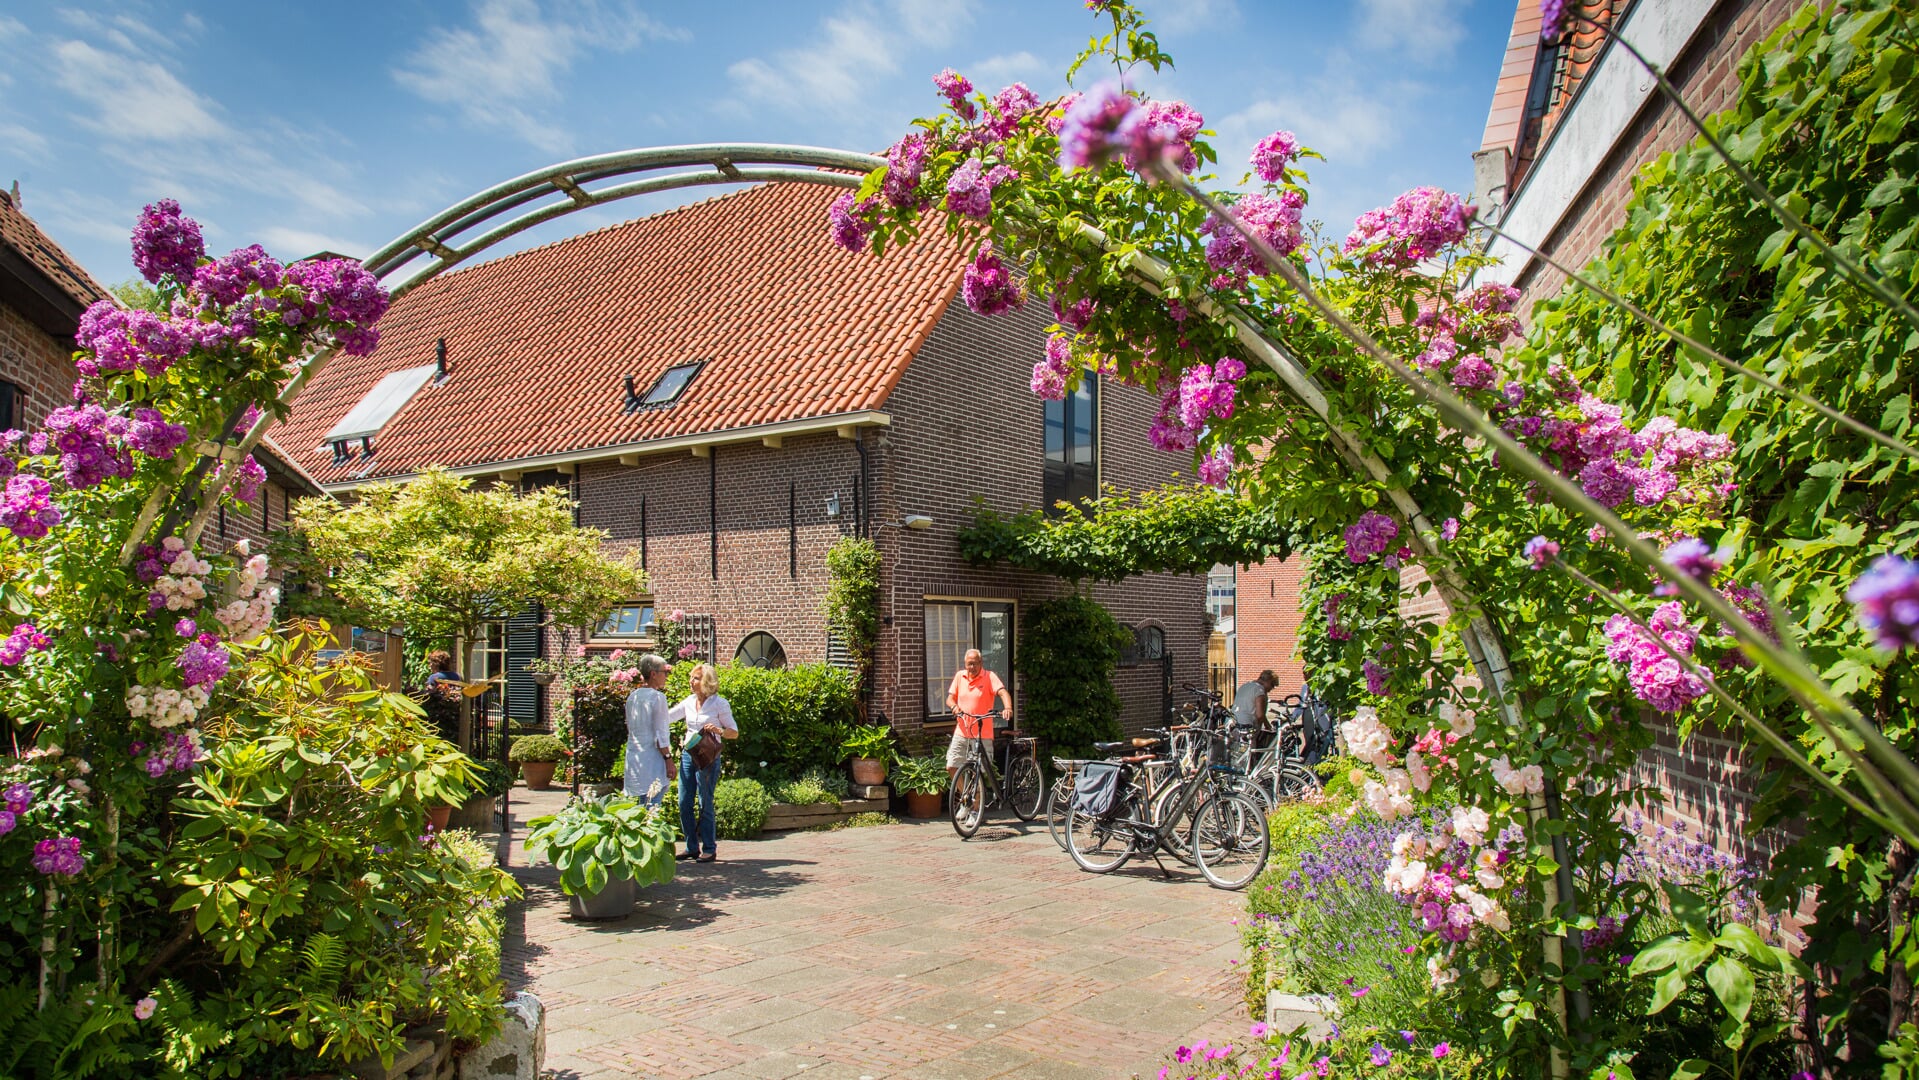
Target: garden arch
496, 214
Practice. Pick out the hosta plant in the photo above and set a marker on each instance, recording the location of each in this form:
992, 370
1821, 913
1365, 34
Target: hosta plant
594, 841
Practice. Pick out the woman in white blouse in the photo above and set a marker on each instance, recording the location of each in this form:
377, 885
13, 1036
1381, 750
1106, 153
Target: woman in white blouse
649, 735
703, 708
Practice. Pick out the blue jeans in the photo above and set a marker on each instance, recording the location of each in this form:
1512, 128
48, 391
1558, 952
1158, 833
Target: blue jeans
698, 783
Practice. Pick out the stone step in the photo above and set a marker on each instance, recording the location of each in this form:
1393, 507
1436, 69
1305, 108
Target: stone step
872, 791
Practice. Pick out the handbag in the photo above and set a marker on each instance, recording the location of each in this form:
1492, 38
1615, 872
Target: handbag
706, 749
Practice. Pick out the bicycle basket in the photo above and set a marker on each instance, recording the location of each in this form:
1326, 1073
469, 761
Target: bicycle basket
1096, 788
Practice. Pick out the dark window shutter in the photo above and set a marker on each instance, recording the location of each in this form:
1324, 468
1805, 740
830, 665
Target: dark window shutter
9, 406
524, 642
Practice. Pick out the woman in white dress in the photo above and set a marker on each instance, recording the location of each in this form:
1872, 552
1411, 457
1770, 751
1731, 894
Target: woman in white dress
649, 738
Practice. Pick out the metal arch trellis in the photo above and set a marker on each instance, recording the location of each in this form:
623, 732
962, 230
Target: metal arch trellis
449, 238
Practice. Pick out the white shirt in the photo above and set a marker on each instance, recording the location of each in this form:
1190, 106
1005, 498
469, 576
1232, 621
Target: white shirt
1246, 702
715, 711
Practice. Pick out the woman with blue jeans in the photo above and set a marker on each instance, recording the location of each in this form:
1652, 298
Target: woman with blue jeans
703, 708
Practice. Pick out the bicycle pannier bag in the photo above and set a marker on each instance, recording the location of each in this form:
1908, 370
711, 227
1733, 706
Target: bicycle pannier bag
706, 748
1096, 789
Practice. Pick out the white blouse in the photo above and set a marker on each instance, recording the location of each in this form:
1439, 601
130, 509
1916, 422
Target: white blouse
715, 711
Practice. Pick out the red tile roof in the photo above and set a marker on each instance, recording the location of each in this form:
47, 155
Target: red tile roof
17, 231
1508, 124
538, 342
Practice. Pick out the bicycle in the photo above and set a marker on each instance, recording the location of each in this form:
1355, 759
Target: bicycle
1022, 793
1228, 836
1059, 797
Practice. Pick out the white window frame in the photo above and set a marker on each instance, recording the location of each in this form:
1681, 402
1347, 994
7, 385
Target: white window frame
643, 603
937, 713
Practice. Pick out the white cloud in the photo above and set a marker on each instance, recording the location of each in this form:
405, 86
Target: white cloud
1007, 68
23, 141
131, 98
1189, 16
1348, 122
288, 243
856, 46
11, 28
500, 71
1420, 28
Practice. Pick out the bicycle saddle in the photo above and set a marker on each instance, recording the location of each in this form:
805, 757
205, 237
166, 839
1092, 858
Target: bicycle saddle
1110, 747
1146, 744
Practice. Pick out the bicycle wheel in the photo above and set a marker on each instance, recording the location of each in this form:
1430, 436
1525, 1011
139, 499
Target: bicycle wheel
1171, 831
1025, 788
1296, 780
1057, 808
968, 799
1099, 845
1229, 839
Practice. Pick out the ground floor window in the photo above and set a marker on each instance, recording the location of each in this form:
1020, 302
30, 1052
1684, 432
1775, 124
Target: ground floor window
954, 626
762, 650
486, 662
630, 622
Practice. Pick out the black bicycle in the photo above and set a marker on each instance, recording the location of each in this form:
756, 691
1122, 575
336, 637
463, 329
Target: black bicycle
1023, 792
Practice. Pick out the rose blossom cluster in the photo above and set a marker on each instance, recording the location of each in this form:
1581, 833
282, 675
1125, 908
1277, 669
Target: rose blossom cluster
1886, 598
164, 707
1662, 463
1413, 228
1204, 391
250, 611
956, 89
182, 583
1457, 334
1107, 123
1273, 219
17, 797
26, 509
1656, 677
1052, 372
1442, 877
1273, 154
905, 165
1369, 740
59, 855
1216, 468
969, 190
1373, 533
849, 223
1529, 780
178, 751
1330, 608
21, 641
1010, 106
988, 286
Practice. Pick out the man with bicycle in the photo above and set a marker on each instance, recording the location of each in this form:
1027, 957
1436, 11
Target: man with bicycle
970, 698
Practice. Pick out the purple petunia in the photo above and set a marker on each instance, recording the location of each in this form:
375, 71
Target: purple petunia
166, 241
1886, 598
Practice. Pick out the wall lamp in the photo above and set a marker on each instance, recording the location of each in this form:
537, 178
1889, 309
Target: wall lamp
915, 522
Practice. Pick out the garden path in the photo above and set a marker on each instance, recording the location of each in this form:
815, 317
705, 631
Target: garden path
890, 951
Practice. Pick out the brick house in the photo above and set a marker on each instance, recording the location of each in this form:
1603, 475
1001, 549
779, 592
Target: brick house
722, 390
1570, 124
43, 292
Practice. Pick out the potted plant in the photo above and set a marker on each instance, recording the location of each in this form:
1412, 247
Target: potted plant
871, 749
537, 756
604, 850
922, 780
544, 671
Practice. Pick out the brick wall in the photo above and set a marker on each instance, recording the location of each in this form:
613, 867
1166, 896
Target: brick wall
964, 426
1703, 778
37, 363
1266, 621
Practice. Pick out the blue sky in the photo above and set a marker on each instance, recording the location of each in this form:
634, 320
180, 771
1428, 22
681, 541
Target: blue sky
339, 126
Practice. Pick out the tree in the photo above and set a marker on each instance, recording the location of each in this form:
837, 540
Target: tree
440, 558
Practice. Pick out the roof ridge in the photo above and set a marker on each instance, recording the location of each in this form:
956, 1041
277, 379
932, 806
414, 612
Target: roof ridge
743, 190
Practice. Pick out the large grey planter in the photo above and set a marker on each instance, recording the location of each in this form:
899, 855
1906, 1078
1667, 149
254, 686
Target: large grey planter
613, 902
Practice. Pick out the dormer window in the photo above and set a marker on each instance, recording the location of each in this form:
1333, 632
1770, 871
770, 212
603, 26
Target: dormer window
380, 405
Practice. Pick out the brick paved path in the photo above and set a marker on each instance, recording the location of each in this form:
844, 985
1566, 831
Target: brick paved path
894, 951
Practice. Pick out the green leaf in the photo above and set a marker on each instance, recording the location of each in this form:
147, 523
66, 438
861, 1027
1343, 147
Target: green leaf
1733, 984
1667, 988
1691, 1069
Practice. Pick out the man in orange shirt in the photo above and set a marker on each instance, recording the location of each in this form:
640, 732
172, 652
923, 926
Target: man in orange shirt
973, 690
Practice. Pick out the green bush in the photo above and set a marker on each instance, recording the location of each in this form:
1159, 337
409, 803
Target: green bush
537, 748
1297, 828
740, 808
599, 729
791, 719
1068, 649
806, 791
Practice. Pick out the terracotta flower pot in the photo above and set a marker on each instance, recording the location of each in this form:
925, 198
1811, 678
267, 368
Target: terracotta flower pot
437, 817
539, 774
923, 804
869, 771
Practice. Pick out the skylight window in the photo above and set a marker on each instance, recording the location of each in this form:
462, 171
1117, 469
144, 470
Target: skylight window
380, 405
670, 385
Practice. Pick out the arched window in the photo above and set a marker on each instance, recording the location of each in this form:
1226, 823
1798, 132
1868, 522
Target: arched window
761, 649
1152, 642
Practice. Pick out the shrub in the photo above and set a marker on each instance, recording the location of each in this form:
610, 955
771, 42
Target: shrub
599, 729
806, 791
740, 808
874, 743
537, 748
791, 719
852, 601
1068, 649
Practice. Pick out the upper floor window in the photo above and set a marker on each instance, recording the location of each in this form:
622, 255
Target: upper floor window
1072, 446
629, 620
670, 385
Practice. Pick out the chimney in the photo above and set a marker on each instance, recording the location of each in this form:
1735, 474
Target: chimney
16, 194
439, 362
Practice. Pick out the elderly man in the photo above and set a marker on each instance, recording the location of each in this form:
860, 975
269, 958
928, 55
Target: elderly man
970, 698
1249, 703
